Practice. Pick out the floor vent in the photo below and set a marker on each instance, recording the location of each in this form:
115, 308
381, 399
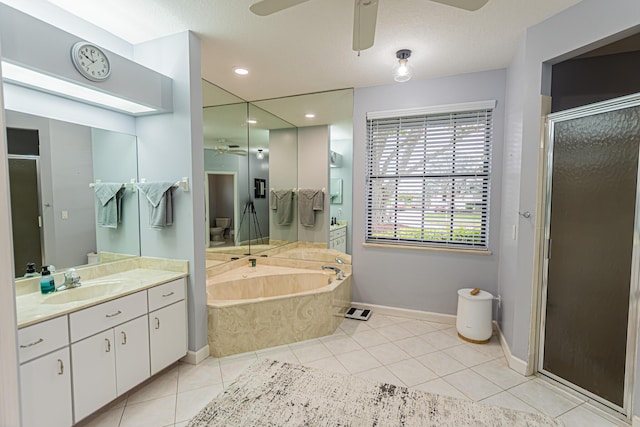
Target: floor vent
358, 313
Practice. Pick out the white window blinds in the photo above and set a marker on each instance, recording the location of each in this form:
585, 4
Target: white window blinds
428, 178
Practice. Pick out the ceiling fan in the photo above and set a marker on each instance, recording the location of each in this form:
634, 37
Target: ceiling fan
364, 18
230, 149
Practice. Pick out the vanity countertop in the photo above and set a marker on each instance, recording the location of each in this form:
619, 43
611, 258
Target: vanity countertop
340, 224
34, 307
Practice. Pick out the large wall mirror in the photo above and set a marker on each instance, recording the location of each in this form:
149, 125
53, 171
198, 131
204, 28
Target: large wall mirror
252, 155
53, 169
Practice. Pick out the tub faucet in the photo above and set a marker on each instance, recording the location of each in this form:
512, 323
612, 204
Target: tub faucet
71, 280
339, 260
339, 273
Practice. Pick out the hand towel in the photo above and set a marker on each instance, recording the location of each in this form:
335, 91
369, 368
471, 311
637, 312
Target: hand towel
109, 197
160, 198
309, 201
281, 201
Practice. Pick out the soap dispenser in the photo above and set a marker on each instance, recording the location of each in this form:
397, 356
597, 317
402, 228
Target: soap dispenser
31, 270
47, 284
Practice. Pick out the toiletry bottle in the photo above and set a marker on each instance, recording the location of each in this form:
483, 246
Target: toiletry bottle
47, 284
31, 270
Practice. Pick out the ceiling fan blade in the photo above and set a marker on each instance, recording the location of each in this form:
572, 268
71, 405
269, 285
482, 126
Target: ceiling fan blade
267, 7
364, 24
470, 5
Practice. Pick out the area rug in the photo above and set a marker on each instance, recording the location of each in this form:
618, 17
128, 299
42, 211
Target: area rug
272, 393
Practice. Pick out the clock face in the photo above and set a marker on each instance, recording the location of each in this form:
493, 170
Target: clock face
90, 61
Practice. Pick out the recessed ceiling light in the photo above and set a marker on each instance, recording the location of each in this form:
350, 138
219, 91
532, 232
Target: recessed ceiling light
241, 71
309, 115
252, 121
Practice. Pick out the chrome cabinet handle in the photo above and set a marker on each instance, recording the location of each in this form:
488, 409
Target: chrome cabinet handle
32, 344
60, 367
114, 314
167, 295
157, 323
124, 337
108, 345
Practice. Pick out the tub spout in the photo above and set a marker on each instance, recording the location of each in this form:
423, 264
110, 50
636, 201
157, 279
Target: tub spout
339, 260
339, 273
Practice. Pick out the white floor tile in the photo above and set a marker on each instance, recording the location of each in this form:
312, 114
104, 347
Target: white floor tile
467, 355
379, 320
441, 363
388, 353
351, 326
282, 354
415, 346
330, 364
358, 361
164, 384
182, 424
472, 384
197, 376
508, 400
583, 417
418, 327
500, 374
411, 372
105, 418
545, 398
439, 326
394, 332
191, 402
158, 412
311, 352
451, 331
230, 369
440, 386
440, 340
369, 338
381, 375
340, 344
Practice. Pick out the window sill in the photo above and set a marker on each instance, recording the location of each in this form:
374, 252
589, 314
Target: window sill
426, 248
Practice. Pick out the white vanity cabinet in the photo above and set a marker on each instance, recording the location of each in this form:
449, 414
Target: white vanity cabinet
338, 238
116, 359
167, 324
45, 374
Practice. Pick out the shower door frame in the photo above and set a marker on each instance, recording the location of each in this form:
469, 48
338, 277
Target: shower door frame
634, 286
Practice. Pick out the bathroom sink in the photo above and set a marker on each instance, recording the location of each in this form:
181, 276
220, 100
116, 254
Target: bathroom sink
94, 290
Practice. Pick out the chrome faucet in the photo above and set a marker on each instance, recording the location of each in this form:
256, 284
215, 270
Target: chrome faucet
339, 260
339, 273
71, 280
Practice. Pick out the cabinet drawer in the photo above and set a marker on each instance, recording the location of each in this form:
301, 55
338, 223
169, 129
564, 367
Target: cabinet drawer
42, 338
107, 315
166, 294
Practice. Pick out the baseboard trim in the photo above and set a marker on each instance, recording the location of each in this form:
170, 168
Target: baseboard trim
518, 365
195, 357
449, 319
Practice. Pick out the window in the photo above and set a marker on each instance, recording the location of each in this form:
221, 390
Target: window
428, 176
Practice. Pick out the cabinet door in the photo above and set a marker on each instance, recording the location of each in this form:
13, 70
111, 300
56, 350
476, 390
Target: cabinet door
132, 353
168, 335
94, 373
45, 391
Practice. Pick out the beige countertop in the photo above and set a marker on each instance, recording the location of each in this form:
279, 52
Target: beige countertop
34, 307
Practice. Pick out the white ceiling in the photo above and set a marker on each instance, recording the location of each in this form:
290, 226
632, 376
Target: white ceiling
307, 48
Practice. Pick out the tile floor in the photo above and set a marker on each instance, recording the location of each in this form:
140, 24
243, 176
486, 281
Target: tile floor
418, 354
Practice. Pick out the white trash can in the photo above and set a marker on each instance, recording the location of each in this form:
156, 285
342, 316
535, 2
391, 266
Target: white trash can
473, 320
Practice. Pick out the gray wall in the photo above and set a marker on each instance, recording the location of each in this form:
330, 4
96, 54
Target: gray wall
221, 198
424, 279
170, 146
313, 165
343, 212
72, 171
283, 174
115, 159
258, 169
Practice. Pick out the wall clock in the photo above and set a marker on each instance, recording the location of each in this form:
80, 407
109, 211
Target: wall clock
90, 61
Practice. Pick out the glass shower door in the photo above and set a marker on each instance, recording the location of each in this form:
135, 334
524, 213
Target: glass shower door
591, 218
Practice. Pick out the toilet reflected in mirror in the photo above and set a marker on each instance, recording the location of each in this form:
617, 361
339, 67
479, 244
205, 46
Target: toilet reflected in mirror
220, 232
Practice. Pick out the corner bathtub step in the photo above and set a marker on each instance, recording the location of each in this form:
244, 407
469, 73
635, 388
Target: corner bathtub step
358, 313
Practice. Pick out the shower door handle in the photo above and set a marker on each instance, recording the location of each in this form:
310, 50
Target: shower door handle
549, 241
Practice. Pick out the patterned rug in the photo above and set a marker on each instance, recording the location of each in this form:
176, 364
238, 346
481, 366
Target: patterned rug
271, 393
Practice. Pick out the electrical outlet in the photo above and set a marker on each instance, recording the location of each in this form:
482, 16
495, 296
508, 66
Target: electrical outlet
65, 214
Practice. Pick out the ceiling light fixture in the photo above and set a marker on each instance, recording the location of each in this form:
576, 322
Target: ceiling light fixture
241, 71
309, 115
402, 71
252, 121
260, 154
27, 77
